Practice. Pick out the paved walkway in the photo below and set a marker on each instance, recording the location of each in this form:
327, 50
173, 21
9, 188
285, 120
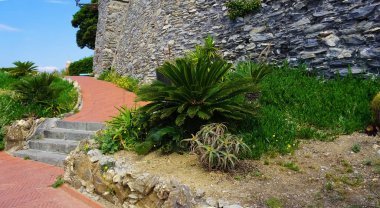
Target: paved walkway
25, 183
99, 99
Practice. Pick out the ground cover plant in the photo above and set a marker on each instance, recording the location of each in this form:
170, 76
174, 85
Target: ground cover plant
21, 97
296, 104
125, 82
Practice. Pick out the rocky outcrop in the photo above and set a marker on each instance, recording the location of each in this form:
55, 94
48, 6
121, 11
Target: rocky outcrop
19, 133
327, 35
119, 181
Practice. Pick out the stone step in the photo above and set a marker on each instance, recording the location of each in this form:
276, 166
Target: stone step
86, 126
68, 134
53, 145
51, 158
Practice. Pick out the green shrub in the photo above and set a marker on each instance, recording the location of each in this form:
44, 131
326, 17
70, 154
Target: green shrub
198, 93
356, 148
240, 8
375, 107
82, 66
125, 82
216, 148
53, 94
23, 69
167, 139
122, 132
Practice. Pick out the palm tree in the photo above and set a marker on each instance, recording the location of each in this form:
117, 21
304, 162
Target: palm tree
23, 69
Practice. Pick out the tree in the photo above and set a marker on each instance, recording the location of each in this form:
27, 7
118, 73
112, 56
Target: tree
86, 19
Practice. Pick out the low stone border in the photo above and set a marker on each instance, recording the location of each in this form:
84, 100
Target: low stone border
118, 181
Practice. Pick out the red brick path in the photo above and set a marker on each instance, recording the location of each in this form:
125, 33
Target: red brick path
26, 184
99, 99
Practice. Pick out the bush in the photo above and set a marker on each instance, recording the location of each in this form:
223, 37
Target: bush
48, 91
125, 82
82, 66
216, 148
122, 132
240, 8
198, 93
375, 107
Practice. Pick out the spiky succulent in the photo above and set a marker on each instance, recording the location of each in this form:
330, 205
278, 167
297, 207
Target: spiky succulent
216, 148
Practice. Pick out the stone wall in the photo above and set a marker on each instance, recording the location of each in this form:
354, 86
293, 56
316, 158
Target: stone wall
119, 181
328, 35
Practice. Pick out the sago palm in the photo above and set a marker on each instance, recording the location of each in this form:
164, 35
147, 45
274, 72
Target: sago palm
23, 69
197, 92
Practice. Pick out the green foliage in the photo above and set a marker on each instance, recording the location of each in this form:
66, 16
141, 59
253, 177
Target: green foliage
125, 82
23, 69
240, 8
375, 108
249, 69
274, 203
86, 20
198, 92
51, 93
82, 66
356, 148
121, 133
216, 148
295, 104
167, 139
58, 182
292, 166
37, 89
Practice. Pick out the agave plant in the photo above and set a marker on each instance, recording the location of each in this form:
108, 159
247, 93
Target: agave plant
23, 69
216, 148
197, 90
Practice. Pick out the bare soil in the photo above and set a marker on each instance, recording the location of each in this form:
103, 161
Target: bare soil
318, 174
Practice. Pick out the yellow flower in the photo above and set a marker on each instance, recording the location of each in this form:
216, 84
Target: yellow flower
289, 146
274, 135
106, 168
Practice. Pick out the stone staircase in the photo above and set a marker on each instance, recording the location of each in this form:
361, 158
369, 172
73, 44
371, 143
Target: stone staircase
55, 139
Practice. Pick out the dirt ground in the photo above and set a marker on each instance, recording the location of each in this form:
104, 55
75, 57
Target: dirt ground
318, 174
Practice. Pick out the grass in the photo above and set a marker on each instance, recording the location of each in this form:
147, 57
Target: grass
58, 182
291, 166
11, 109
356, 148
125, 82
296, 104
274, 203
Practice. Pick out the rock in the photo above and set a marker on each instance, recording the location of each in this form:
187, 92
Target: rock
261, 37
331, 40
378, 153
94, 155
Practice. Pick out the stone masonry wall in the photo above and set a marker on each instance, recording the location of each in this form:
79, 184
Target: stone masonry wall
328, 35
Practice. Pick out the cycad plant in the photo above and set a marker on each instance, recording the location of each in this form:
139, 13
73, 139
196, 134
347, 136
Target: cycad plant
23, 69
37, 89
198, 91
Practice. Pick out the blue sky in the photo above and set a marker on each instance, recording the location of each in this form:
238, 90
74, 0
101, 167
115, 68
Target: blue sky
39, 31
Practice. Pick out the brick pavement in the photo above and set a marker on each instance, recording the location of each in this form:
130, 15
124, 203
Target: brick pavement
26, 184
99, 99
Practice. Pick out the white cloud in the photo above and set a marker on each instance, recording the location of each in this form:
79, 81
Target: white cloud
8, 28
57, 1
48, 69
